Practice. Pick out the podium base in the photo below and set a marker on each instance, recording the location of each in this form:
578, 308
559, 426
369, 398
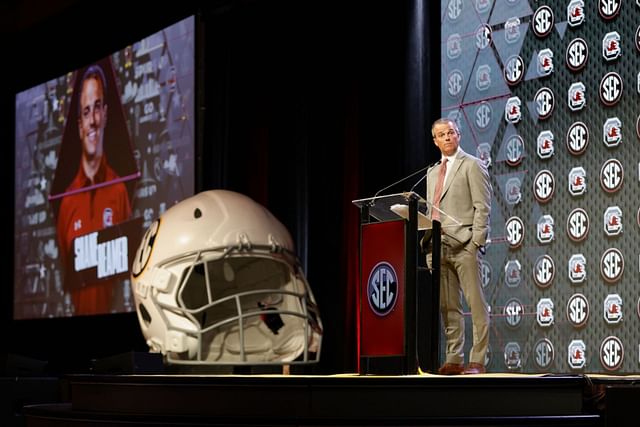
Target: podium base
384, 365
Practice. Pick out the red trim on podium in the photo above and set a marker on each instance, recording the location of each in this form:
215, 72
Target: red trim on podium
382, 333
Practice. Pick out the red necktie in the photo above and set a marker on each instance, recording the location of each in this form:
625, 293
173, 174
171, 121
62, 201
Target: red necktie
435, 215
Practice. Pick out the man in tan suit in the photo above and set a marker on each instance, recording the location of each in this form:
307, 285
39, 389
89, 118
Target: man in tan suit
464, 194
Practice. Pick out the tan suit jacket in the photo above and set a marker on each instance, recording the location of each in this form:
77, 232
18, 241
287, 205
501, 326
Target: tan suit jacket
466, 196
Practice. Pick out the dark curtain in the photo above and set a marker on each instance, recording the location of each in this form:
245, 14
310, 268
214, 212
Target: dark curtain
316, 104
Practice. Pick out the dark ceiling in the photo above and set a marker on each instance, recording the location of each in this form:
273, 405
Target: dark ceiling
18, 16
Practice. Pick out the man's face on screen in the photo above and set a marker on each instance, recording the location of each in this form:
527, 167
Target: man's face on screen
93, 118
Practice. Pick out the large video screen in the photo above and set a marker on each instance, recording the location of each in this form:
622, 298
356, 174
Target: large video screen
547, 93
100, 152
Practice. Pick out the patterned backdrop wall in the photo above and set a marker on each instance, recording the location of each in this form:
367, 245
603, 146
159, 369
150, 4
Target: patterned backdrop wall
547, 94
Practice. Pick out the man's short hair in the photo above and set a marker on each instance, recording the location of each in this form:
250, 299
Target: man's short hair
93, 72
442, 121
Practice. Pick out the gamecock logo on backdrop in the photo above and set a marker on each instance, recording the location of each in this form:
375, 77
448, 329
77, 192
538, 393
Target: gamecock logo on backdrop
576, 96
454, 46
512, 30
483, 77
544, 312
545, 62
613, 221
512, 358
513, 110
577, 181
513, 190
613, 309
577, 268
483, 6
576, 354
612, 132
483, 152
545, 229
575, 13
544, 144
611, 46
512, 273
456, 117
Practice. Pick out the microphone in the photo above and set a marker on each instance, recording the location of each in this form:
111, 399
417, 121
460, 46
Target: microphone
400, 180
424, 176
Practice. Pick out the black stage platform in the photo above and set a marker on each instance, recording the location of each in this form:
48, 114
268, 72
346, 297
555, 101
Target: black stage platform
354, 400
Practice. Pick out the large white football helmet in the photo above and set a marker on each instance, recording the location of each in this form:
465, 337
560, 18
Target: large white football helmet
216, 282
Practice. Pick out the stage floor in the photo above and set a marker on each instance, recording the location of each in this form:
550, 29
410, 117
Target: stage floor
347, 399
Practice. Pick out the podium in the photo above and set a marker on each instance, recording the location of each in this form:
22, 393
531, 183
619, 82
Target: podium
394, 336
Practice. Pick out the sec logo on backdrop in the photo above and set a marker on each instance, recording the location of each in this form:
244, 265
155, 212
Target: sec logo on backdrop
611, 353
544, 354
578, 225
611, 176
577, 310
542, 21
577, 138
608, 9
612, 265
577, 54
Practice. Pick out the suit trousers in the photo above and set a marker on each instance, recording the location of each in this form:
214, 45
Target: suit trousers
460, 276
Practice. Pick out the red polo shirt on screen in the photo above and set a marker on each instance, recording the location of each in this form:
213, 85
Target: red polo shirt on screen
103, 205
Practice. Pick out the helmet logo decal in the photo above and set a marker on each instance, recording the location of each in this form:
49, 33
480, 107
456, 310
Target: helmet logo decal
144, 250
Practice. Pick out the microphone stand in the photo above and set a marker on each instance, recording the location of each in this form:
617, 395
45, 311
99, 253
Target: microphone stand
398, 182
424, 176
433, 313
